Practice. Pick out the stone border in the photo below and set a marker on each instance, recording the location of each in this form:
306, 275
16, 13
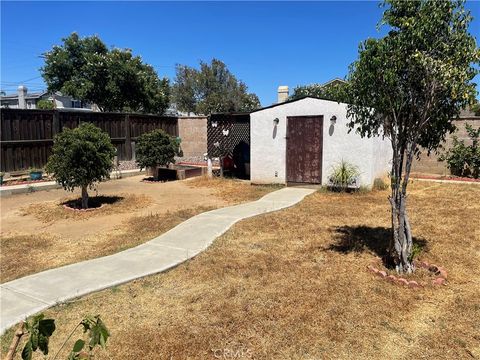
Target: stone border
440, 273
82, 210
151, 181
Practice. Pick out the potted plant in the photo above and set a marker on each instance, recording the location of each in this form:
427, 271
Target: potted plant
36, 174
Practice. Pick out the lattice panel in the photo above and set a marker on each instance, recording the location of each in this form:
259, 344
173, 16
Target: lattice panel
224, 132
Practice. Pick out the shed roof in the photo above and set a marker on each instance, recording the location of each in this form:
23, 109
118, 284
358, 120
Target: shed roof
295, 100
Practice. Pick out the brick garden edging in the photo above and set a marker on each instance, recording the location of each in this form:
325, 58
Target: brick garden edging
81, 210
151, 181
439, 272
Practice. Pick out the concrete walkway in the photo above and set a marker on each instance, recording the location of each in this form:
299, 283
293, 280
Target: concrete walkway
28, 295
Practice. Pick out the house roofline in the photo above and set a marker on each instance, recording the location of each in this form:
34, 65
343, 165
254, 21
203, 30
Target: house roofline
298, 99
333, 80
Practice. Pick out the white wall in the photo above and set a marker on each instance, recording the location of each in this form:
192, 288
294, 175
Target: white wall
268, 145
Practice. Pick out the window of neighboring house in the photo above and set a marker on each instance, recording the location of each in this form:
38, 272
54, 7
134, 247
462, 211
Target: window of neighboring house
76, 104
30, 104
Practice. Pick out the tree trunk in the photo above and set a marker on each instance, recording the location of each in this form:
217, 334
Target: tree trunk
401, 245
400, 249
84, 197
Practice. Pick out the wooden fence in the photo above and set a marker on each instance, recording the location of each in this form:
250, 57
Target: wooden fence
27, 135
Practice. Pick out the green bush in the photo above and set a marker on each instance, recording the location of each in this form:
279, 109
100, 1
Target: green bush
156, 148
80, 158
476, 109
45, 104
462, 159
39, 330
344, 175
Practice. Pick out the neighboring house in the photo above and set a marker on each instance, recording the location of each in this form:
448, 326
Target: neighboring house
334, 82
300, 141
25, 100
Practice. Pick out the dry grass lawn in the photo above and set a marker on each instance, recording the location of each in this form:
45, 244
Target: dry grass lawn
294, 285
233, 191
42, 234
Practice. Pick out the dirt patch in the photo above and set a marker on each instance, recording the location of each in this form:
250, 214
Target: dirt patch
23, 255
273, 288
140, 213
103, 205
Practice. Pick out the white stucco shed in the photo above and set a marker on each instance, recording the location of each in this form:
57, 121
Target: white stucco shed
302, 140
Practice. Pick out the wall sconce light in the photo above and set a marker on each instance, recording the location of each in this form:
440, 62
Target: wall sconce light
276, 121
333, 120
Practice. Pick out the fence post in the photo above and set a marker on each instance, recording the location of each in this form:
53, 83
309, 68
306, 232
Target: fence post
56, 123
128, 138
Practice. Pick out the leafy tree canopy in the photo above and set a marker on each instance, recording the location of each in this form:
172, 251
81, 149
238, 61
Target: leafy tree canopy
156, 148
81, 157
211, 89
45, 104
115, 80
330, 91
409, 85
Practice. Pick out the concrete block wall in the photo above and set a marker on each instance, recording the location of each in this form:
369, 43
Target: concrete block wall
430, 164
193, 132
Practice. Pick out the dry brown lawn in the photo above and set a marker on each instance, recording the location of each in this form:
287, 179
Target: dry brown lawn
233, 191
294, 285
38, 233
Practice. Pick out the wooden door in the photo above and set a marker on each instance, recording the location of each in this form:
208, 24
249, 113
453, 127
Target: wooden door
304, 149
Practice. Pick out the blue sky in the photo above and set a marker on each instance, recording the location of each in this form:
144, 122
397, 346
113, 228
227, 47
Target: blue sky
265, 44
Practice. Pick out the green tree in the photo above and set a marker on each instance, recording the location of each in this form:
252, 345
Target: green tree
115, 80
476, 108
330, 91
81, 157
408, 86
156, 148
45, 104
211, 89
463, 159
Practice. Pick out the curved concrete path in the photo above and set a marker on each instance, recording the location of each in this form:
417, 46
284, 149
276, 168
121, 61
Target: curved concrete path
28, 295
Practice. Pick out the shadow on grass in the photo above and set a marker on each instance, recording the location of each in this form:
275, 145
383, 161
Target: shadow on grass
365, 238
93, 202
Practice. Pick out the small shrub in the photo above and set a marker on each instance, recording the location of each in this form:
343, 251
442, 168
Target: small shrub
40, 330
476, 108
344, 175
156, 148
379, 184
80, 158
462, 159
417, 249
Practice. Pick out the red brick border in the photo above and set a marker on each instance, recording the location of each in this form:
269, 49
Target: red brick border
439, 272
81, 210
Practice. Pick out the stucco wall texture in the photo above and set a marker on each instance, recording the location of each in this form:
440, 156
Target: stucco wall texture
268, 143
193, 132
